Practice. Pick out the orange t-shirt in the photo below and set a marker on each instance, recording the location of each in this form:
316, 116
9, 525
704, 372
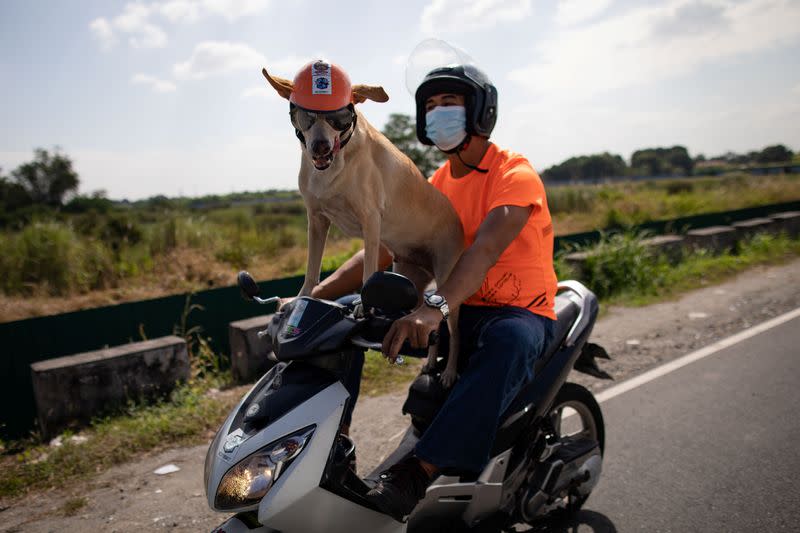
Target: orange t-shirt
523, 275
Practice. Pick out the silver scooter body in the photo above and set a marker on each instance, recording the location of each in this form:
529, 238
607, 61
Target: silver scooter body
297, 501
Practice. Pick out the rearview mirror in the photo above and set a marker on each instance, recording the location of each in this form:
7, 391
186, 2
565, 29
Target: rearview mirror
248, 285
389, 292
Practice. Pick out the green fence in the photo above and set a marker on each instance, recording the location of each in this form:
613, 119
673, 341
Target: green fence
27, 341
35, 339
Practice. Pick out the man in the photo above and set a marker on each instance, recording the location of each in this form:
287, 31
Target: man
504, 282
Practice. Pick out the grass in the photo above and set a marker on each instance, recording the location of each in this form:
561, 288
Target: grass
72, 506
185, 418
621, 270
577, 208
380, 377
167, 246
703, 268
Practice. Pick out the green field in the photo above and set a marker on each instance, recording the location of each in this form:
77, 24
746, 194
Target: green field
102, 252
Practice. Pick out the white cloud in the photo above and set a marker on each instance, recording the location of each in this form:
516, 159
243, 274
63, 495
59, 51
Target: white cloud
186, 11
136, 19
102, 31
570, 12
468, 15
233, 9
157, 85
213, 58
646, 45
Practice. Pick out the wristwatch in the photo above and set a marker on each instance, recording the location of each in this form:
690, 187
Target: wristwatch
437, 301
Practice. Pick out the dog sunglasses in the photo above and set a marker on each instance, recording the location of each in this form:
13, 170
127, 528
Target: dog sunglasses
340, 120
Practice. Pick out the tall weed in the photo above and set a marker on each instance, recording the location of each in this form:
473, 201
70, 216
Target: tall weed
43, 257
620, 264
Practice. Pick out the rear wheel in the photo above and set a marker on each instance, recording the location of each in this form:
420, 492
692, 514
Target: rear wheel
575, 413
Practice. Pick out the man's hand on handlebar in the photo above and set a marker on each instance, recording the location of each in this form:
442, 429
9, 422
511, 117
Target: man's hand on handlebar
415, 327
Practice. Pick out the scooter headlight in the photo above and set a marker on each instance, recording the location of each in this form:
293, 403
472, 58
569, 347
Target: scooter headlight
250, 479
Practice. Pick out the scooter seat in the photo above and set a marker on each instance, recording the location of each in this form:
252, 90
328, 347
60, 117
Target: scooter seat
566, 314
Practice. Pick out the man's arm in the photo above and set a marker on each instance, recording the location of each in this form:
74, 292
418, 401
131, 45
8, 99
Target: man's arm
500, 227
347, 278
497, 231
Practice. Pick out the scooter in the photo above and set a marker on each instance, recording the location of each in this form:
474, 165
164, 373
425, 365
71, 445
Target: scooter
281, 463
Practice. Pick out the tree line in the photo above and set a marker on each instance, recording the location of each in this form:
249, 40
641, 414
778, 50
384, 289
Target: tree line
673, 161
50, 182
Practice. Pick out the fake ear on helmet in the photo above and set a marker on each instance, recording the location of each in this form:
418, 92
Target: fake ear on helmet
282, 86
362, 93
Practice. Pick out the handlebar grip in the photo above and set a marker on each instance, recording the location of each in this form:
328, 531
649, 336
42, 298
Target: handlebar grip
406, 349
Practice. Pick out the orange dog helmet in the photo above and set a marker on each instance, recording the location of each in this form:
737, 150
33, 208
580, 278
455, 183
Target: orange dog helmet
321, 86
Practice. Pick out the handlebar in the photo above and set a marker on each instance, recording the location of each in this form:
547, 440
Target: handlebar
406, 348
270, 300
375, 325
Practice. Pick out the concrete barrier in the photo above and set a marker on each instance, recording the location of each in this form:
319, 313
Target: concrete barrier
577, 262
716, 239
71, 390
668, 245
749, 228
788, 222
249, 353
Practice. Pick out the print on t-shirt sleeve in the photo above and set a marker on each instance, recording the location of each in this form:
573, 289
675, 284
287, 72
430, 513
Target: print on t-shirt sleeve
519, 186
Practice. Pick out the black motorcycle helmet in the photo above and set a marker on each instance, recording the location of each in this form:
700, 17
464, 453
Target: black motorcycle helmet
480, 97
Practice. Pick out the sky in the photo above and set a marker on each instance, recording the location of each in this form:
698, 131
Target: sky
167, 97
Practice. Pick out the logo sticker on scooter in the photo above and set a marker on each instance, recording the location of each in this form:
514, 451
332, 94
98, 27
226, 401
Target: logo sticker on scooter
321, 78
292, 329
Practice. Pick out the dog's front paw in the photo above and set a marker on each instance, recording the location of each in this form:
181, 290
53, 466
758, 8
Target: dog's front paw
448, 378
285, 301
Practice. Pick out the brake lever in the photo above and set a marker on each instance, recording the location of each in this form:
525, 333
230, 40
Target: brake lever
264, 301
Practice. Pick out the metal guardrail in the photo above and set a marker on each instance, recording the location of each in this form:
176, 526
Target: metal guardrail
36, 339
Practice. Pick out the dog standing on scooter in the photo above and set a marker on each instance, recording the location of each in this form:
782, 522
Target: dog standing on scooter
353, 176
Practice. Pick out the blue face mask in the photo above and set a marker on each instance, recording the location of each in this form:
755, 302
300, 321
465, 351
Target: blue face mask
446, 126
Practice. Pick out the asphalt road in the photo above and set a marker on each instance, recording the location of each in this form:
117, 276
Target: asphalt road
712, 446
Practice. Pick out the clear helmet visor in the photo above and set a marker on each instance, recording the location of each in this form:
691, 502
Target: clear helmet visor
431, 54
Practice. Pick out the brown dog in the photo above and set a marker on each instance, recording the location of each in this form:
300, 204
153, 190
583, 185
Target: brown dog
370, 189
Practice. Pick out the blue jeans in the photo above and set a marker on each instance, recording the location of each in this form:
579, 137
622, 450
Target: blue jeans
499, 346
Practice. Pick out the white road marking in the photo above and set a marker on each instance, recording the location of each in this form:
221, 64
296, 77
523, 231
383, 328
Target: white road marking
711, 349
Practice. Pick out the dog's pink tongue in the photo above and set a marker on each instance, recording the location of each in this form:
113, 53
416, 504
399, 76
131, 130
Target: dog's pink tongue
336, 145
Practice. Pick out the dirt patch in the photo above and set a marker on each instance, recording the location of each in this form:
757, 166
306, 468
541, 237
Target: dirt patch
133, 498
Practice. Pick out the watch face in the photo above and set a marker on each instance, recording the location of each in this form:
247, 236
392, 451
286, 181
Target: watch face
435, 299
